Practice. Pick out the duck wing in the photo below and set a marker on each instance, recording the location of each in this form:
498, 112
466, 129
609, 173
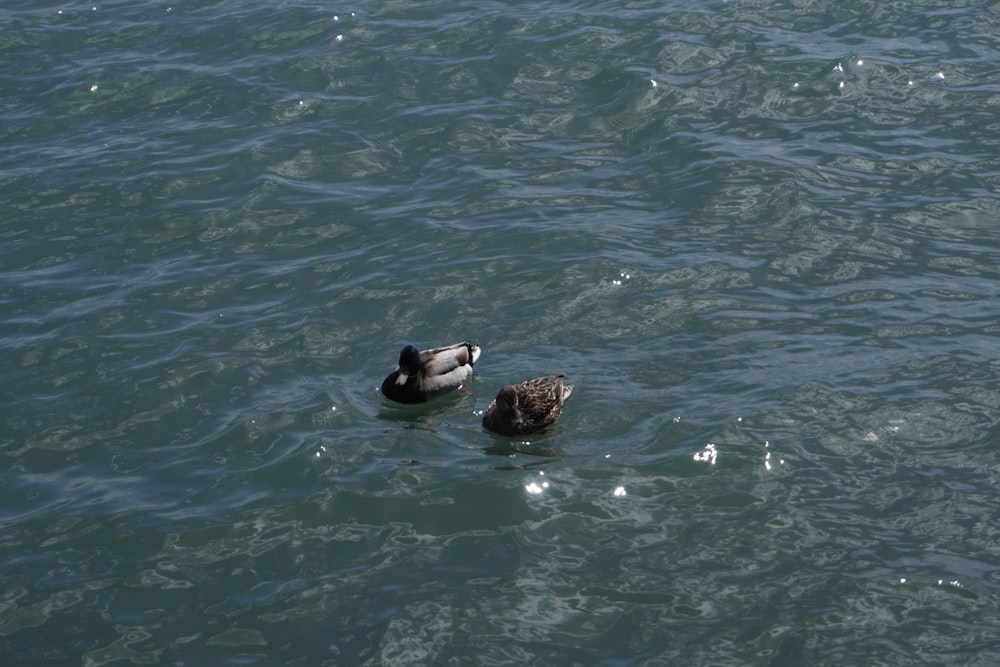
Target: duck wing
444, 369
540, 402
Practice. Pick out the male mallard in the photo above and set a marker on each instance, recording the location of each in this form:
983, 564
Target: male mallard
422, 376
527, 407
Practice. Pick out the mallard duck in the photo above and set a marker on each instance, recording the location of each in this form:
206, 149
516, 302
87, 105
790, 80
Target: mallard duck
422, 376
527, 407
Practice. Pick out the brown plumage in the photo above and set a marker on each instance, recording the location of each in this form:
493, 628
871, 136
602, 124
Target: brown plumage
527, 407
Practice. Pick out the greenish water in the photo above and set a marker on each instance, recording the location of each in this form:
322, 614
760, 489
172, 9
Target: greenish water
760, 239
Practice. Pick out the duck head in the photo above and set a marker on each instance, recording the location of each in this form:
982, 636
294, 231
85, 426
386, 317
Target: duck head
508, 404
409, 363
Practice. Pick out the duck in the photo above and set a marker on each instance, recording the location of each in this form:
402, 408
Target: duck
527, 407
424, 375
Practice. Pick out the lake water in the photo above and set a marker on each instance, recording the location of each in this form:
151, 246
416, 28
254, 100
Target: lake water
761, 238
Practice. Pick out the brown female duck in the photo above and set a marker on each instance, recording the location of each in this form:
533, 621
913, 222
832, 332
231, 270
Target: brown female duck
527, 407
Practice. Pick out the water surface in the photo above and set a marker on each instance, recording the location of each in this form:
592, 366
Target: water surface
759, 238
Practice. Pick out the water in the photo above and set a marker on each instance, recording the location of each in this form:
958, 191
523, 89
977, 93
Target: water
759, 238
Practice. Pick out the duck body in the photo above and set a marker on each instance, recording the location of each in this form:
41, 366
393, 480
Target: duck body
424, 375
527, 407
